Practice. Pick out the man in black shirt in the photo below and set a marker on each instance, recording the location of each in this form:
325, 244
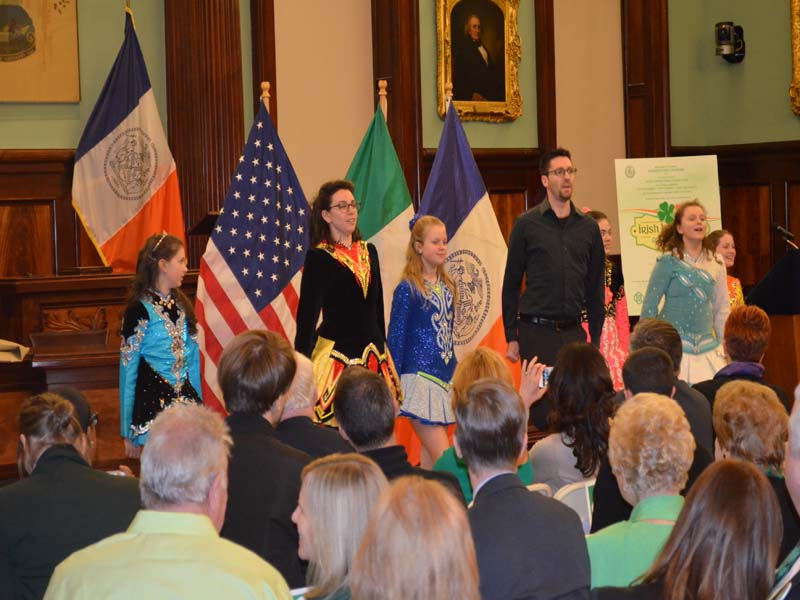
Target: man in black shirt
560, 252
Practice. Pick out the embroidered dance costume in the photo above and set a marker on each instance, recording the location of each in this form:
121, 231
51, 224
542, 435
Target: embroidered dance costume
421, 342
345, 284
616, 327
735, 292
696, 303
159, 363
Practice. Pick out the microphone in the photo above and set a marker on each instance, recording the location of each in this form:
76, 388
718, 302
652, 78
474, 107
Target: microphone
785, 233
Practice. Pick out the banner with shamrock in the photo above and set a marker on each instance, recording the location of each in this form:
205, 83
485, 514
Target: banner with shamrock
649, 190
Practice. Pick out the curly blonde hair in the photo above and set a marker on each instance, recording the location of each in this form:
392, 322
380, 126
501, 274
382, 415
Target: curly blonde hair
751, 424
650, 446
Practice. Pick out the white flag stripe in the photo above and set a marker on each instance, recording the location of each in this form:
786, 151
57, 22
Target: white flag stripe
227, 280
391, 242
480, 233
282, 310
90, 176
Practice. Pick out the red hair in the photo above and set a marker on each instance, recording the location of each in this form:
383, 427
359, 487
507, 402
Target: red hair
747, 332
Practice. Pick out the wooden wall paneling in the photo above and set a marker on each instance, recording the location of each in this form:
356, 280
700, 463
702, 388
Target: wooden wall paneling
204, 103
793, 209
645, 57
508, 205
746, 211
395, 57
27, 233
262, 34
545, 74
36, 195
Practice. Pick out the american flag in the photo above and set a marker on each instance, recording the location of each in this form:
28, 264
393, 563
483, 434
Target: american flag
250, 272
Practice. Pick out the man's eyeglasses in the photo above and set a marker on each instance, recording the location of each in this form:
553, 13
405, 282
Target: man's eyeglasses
561, 171
346, 206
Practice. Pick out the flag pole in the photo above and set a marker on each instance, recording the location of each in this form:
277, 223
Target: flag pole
265, 93
382, 101
448, 93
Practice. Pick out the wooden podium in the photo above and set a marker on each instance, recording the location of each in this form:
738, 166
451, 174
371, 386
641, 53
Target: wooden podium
779, 295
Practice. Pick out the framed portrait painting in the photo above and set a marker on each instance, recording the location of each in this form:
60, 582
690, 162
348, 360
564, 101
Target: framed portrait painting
39, 51
479, 52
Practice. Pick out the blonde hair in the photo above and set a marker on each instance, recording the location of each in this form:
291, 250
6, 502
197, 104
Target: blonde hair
751, 424
417, 546
412, 272
481, 363
340, 492
651, 445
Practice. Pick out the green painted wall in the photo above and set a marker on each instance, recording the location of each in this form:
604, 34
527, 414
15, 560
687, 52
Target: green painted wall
717, 103
100, 32
101, 27
521, 133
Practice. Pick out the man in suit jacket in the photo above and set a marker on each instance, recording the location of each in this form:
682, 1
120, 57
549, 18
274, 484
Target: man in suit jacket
297, 428
366, 410
255, 372
528, 546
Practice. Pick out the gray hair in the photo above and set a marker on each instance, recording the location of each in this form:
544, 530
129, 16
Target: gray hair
188, 446
651, 445
303, 391
794, 425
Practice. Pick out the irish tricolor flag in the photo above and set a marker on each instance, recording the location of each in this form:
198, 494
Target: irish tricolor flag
476, 249
386, 208
125, 187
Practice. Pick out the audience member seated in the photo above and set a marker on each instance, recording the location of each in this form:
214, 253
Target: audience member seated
745, 341
297, 428
580, 395
479, 364
255, 371
62, 506
337, 497
724, 544
752, 425
528, 545
83, 412
366, 410
788, 573
417, 546
656, 333
650, 448
647, 370
172, 548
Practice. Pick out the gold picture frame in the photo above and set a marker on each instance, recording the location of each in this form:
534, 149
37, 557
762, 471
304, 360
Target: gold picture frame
794, 89
484, 72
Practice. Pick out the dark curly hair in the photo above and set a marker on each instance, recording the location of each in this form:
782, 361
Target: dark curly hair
580, 395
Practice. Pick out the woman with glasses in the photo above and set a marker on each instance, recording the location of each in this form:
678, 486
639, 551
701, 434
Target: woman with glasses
342, 280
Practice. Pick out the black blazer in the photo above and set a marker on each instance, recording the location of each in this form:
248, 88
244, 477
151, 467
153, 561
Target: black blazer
710, 387
63, 506
263, 486
301, 433
393, 461
528, 546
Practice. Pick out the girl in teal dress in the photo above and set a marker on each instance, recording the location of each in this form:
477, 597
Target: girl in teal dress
693, 285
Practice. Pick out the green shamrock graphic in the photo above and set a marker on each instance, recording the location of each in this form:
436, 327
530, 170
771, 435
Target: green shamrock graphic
666, 212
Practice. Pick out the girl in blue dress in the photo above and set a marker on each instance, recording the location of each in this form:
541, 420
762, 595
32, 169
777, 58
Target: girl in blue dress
159, 358
693, 284
421, 336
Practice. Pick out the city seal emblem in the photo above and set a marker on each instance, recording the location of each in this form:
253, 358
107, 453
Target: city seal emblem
130, 164
474, 294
